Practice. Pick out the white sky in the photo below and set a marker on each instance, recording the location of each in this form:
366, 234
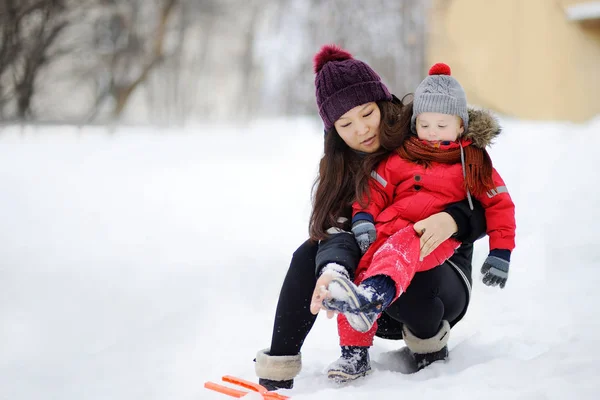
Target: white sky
141, 264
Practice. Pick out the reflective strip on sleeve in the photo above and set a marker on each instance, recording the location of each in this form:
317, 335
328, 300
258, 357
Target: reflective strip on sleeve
378, 178
333, 230
498, 190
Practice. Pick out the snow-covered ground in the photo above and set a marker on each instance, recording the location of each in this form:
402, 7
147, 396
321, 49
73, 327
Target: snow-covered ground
143, 263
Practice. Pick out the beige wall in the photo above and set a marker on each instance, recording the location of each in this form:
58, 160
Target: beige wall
519, 57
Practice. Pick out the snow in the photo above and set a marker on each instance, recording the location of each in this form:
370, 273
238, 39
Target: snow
583, 11
142, 263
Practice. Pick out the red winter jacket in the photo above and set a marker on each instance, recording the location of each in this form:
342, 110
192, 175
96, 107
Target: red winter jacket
406, 193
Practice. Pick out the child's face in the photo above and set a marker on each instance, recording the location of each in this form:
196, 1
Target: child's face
436, 127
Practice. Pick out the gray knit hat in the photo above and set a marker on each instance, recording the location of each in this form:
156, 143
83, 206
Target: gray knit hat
440, 93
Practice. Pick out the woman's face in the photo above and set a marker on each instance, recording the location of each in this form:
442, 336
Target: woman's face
359, 127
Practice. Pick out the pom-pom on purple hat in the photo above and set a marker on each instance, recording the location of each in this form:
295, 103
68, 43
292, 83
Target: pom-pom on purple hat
343, 82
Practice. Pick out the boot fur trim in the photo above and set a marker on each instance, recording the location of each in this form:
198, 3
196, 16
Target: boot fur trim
277, 368
431, 345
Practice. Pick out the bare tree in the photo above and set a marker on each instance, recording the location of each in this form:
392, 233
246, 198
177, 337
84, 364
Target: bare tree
211, 59
145, 56
173, 88
136, 48
29, 30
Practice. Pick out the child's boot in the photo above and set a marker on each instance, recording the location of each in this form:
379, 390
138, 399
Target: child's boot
353, 364
362, 304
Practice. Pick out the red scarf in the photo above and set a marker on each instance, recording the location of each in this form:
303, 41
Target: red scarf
478, 163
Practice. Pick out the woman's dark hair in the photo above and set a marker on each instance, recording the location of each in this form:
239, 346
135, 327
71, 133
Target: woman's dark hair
344, 173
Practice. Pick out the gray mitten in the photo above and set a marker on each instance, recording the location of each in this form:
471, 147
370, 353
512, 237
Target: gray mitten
495, 268
364, 233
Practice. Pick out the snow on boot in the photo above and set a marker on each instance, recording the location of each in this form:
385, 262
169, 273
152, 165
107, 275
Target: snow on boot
353, 364
361, 306
428, 351
277, 372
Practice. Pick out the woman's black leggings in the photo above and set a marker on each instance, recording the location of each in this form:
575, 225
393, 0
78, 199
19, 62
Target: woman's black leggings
432, 296
293, 319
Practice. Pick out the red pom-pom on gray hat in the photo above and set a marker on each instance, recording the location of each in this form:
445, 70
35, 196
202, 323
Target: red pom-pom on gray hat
440, 93
330, 52
440, 69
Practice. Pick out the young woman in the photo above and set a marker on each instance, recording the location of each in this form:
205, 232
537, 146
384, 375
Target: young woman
442, 160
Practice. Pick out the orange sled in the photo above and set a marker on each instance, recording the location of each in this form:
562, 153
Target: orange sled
255, 387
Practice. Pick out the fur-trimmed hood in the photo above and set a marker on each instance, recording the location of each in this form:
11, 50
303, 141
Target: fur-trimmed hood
483, 128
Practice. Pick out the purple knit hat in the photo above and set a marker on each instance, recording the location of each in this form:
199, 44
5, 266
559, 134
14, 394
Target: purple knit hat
342, 83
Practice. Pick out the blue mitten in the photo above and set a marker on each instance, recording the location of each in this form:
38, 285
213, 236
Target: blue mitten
495, 268
364, 233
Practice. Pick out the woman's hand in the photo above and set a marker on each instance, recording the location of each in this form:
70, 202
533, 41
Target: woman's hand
320, 293
433, 231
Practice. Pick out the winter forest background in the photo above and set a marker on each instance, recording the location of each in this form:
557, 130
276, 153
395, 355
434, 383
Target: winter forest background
156, 165
171, 61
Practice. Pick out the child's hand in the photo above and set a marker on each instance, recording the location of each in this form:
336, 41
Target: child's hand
495, 268
364, 233
433, 231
